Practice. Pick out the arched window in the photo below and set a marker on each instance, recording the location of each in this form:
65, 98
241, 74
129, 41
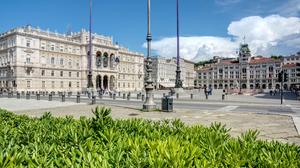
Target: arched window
112, 60
98, 59
105, 60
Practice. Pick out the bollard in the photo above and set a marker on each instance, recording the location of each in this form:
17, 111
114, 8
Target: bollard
63, 98
192, 96
100, 95
223, 97
38, 96
27, 95
138, 96
93, 99
143, 97
9, 95
128, 96
50, 97
114, 96
124, 95
119, 94
78, 98
18, 95
177, 95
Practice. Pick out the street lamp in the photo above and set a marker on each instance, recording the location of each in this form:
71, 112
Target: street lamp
90, 76
178, 82
149, 104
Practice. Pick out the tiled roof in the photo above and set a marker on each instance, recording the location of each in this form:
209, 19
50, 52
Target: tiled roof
289, 66
204, 69
263, 60
227, 62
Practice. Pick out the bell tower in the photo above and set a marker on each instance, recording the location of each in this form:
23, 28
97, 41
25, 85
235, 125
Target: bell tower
244, 54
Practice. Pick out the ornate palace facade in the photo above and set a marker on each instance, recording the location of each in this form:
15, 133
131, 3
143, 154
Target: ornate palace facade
246, 72
35, 60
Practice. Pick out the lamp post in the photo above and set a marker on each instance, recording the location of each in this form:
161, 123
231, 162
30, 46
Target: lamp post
149, 104
90, 75
178, 82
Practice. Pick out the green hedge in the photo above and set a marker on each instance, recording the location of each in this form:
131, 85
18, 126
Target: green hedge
104, 142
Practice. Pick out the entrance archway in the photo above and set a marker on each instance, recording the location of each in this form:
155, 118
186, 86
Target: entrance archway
277, 86
270, 86
244, 86
220, 86
257, 86
98, 82
264, 86
105, 82
285, 86
112, 82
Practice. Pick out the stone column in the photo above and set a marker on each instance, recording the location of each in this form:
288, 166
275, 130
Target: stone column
108, 83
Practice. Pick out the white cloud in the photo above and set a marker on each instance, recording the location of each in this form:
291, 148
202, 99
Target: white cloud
265, 33
193, 48
266, 36
290, 8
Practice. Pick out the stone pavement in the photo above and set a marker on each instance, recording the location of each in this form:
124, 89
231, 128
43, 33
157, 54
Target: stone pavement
13, 104
271, 127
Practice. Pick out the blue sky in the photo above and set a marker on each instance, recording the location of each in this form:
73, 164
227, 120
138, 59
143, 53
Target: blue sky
125, 20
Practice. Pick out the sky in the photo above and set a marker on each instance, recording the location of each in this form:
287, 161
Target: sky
207, 27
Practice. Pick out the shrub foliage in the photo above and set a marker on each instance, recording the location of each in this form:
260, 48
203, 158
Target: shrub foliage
103, 142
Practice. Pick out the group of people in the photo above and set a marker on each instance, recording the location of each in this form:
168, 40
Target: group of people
274, 92
208, 91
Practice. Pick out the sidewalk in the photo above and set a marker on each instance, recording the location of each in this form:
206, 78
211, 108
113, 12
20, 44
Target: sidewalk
271, 127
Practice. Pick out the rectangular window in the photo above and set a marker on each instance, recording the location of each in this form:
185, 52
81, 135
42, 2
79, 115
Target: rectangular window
43, 84
77, 74
77, 84
43, 73
52, 60
52, 73
53, 84
28, 84
70, 84
28, 43
70, 74
61, 84
27, 60
61, 73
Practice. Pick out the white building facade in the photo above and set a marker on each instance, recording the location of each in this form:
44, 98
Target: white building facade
164, 72
35, 60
